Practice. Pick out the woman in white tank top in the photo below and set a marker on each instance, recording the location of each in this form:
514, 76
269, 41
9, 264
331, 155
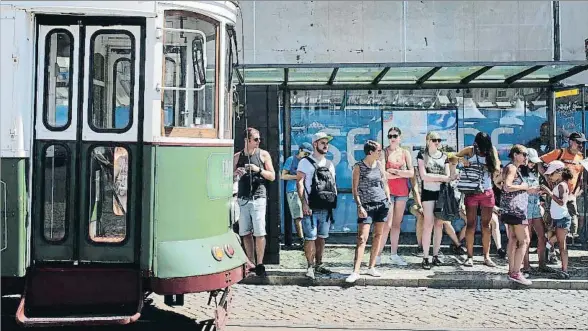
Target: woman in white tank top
560, 215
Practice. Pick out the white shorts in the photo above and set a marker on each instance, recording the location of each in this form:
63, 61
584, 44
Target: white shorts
252, 217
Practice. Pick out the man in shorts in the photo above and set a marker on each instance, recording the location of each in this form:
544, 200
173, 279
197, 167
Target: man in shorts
289, 170
317, 222
253, 169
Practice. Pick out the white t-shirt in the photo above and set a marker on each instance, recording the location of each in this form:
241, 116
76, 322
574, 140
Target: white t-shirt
308, 169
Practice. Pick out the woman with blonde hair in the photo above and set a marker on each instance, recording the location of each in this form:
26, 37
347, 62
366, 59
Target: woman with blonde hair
433, 171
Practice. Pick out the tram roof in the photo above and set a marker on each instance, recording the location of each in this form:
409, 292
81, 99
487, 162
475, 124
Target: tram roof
409, 75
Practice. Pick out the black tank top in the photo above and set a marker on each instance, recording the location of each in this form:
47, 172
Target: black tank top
251, 185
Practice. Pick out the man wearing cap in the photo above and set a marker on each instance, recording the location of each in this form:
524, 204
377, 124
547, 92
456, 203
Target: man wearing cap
316, 223
571, 157
289, 170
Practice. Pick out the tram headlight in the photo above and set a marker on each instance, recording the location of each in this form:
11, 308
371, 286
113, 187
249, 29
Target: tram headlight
217, 253
229, 250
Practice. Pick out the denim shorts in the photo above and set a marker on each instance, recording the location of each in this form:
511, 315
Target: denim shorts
316, 225
252, 217
563, 223
395, 198
534, 211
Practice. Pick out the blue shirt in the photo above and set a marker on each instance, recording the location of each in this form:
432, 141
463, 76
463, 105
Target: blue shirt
291, 165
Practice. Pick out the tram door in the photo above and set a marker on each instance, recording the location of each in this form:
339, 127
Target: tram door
86, 131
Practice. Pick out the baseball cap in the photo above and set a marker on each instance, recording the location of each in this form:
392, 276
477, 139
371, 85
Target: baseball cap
321, 135
577, 136
533, 155
554, 166
306, 147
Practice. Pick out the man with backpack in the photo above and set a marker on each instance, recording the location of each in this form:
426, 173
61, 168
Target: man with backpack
317, 191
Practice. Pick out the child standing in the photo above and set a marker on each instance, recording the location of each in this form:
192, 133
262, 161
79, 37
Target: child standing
562, 220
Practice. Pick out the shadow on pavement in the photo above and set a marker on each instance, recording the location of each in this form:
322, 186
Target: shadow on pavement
152, 318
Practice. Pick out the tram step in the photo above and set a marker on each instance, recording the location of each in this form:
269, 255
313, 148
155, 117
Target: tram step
81, 295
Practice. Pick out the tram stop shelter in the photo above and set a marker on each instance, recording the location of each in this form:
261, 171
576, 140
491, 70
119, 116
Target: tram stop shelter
266, 90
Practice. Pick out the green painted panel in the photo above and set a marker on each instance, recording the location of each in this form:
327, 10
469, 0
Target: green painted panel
147, 203
194, 257
13, 213
192, 195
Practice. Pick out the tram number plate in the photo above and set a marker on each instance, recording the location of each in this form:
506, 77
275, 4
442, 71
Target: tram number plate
221, 313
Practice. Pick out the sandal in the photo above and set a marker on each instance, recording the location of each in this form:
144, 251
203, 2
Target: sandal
561, 275
489, 263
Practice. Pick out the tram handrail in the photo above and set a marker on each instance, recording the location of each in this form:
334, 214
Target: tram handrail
5, 232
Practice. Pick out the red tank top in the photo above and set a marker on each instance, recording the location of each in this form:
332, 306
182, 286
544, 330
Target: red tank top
398, 186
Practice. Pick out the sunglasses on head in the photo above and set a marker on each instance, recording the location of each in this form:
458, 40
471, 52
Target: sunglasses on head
390, 136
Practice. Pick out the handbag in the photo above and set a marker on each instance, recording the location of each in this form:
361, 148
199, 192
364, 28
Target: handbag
471, 178
446, 206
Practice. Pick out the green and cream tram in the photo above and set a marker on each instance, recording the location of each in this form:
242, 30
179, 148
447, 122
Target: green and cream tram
116, 156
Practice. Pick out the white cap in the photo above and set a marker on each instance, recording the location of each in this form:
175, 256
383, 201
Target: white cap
554, 166
321, 135
533, 155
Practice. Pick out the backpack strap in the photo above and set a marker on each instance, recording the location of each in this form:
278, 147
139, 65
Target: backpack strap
561, 151
312, 162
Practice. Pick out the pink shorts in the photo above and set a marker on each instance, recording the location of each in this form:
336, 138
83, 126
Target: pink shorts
484, 199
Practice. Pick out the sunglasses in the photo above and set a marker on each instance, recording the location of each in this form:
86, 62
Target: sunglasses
390, 136
257, 140
524, 154
436, 140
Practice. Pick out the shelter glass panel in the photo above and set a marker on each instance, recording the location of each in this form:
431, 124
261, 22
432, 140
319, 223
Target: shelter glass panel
357, 75
452, 74
407, 74
309, 75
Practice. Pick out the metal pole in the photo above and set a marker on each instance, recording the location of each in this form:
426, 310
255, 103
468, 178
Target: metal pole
551, 118
287, 145
556, 33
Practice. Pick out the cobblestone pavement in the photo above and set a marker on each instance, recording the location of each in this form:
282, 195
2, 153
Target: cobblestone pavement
341, 258
363, 308
387, 307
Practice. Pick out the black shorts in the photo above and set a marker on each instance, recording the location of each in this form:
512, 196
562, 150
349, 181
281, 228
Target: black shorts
513, 220
429, 195
376, 211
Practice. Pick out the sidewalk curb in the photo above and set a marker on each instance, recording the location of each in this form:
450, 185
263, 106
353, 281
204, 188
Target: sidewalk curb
494, 282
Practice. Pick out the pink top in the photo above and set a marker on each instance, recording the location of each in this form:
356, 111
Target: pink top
398, 186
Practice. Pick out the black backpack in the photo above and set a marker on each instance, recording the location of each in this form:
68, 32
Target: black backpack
323, 193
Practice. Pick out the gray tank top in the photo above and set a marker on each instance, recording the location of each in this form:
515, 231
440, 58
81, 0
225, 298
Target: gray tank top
370, 187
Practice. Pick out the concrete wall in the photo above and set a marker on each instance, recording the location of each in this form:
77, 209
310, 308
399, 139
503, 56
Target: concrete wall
395, 31
574, 30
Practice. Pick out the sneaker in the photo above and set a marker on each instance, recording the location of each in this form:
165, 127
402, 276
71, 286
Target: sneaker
436, 262
378, 260
489, 263
352, 278
502, 253
260, 270
310, 272
519, 278
458, 250
397, 260
469, 262
373, 272
322, 270
425, 264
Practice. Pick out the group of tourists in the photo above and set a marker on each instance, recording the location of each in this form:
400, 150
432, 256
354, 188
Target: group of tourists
530, 193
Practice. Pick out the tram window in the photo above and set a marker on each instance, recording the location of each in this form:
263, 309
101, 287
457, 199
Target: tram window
229, 60
193, 101
58, 72
108, 192
112, 80
55, 199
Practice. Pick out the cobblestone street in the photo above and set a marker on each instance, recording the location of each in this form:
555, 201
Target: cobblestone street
388, 307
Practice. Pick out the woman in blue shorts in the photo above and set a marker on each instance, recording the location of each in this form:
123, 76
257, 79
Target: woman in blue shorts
534, 216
